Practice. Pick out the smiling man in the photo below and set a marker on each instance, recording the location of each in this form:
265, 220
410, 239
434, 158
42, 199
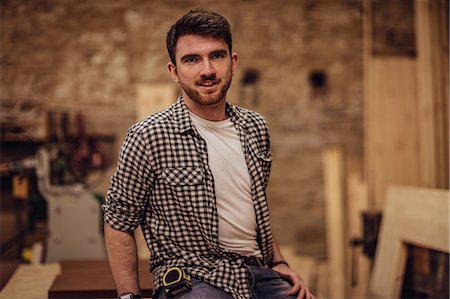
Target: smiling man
205, 62
194, 177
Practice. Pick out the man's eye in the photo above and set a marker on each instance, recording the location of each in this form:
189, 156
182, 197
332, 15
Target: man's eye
190, 60
218, 56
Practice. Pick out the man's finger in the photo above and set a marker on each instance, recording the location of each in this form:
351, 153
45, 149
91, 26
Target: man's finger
301, 294
295, 288
296, 285
308, 294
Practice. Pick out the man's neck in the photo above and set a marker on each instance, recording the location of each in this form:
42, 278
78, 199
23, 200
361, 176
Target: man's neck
216, 112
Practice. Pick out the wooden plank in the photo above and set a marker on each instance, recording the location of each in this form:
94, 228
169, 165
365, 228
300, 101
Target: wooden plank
30, 282
334, 216
411, 215
357, 204
392, 141
368, 113
432, 73
323, 290
425, 95
441, 11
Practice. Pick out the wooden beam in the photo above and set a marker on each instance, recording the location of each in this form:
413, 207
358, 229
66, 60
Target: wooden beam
323, 290
367, 58
334, 216
357, 204
432, 73
425, 95
392, 139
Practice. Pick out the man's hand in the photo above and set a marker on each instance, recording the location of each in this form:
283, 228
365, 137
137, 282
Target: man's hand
297, 283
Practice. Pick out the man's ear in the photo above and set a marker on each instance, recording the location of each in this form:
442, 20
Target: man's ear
234, 62
172, 70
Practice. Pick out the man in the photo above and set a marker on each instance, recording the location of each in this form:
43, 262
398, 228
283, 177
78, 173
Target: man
194, 177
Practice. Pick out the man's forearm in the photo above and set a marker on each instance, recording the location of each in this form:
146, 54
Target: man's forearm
277, 257
123, 260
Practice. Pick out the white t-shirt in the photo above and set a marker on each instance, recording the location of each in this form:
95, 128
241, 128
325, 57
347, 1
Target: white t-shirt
237, 219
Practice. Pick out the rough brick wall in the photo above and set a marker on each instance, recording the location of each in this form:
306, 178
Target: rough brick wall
88, 56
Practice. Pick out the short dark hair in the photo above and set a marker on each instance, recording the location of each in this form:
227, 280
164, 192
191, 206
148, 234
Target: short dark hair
199, 22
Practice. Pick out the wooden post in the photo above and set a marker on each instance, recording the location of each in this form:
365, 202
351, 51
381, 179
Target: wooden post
357, 204
367, 58
334, 218
432, 96
392, 139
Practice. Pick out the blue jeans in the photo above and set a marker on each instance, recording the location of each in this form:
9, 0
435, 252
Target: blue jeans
267, 284
264, 284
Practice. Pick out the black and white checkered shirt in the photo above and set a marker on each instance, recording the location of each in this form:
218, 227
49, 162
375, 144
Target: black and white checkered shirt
163, 183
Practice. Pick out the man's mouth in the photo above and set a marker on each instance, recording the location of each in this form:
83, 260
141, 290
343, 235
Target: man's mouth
207, 83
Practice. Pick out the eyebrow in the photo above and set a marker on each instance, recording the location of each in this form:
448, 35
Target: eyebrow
221, 51
187, 56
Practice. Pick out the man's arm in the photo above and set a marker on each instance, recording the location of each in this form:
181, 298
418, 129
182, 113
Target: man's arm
277, 257
285, 271
123, 260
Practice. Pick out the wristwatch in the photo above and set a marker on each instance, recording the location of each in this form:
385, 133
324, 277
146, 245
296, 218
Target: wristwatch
130, 296
273, 264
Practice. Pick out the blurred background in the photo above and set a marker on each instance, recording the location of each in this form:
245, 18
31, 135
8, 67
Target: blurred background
355, 93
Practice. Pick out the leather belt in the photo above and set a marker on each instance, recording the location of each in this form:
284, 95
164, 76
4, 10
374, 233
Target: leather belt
253, 261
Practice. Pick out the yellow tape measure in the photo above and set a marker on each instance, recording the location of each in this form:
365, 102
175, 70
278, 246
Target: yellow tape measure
176, 282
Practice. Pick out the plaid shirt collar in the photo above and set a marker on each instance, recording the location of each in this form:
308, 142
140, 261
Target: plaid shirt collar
182, 118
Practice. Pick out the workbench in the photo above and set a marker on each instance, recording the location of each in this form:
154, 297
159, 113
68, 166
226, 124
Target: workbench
31, 282
69, 279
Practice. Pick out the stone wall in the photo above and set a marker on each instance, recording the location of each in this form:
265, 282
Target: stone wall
89, 56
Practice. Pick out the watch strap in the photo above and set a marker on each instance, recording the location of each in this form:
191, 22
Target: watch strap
130, 296
273, 264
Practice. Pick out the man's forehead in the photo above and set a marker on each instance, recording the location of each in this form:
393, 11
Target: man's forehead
199, 44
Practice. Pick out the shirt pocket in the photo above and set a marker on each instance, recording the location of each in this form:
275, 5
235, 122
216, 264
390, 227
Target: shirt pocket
185, 176
186, 186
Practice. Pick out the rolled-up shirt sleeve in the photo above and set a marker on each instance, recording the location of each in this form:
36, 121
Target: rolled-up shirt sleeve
131, 185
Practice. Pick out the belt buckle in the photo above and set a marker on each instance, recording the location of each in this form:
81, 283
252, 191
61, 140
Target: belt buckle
253, 261
259, 262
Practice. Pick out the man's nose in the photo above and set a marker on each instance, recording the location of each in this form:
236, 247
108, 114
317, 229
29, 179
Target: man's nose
207, 68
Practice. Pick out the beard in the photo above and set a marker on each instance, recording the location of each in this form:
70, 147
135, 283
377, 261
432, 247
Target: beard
207, 99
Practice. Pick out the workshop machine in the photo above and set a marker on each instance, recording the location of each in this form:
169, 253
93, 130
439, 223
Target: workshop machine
74, 217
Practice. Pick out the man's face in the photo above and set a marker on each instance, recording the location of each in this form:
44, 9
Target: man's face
204, 68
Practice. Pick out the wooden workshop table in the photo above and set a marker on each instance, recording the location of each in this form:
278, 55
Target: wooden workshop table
31, 282
69, 279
